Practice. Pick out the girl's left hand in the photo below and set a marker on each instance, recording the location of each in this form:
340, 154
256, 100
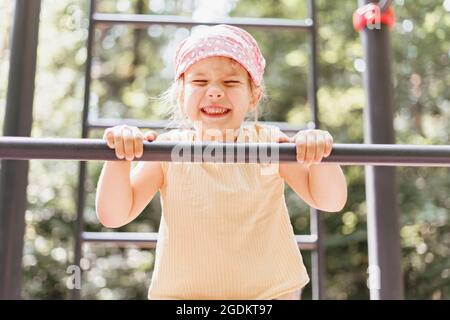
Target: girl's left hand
312, 145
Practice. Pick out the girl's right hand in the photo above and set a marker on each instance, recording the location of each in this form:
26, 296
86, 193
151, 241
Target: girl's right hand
128, 141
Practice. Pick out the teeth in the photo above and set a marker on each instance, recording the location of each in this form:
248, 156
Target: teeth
212, 110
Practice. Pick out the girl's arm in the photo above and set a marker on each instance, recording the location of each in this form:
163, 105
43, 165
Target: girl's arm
321, 185
121, 194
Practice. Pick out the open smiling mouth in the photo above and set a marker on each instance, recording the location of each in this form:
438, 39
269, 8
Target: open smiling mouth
215, 112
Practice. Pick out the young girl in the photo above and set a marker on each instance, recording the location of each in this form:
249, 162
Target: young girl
225, 231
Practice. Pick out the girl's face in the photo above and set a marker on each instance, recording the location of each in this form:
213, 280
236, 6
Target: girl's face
217, 94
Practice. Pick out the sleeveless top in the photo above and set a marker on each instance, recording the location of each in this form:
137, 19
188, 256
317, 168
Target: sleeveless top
225, 231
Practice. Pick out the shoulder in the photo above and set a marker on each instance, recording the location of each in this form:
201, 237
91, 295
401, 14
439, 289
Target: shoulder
265, 132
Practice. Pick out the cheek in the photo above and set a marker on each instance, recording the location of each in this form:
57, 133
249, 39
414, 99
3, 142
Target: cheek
192, 96
194, 91
240, 96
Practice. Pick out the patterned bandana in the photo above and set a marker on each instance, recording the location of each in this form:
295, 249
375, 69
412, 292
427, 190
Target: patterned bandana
224, 41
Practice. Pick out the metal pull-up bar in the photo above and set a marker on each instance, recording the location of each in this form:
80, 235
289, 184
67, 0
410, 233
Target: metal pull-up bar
143, 20
23, 148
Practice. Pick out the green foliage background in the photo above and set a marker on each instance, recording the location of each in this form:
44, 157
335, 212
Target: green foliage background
133, 66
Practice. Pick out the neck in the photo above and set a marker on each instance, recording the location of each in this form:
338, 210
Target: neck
217, 135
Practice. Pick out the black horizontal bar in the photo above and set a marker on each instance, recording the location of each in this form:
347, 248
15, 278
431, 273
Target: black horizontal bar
143, 20
22, 148
104, 123
149, 239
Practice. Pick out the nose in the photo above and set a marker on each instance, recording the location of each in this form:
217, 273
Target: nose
214, 92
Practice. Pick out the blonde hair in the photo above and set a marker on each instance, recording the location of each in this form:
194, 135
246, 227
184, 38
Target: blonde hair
177, 119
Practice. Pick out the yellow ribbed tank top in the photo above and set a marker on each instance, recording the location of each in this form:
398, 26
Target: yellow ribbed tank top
225, 231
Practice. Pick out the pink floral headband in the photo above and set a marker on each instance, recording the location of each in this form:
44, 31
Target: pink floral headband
225, 41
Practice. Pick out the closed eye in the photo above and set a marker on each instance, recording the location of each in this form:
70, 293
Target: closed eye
232, 82
200, 82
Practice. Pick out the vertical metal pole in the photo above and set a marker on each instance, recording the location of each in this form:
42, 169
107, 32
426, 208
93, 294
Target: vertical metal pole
316, 225
18, 120
385, 271
75, 294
